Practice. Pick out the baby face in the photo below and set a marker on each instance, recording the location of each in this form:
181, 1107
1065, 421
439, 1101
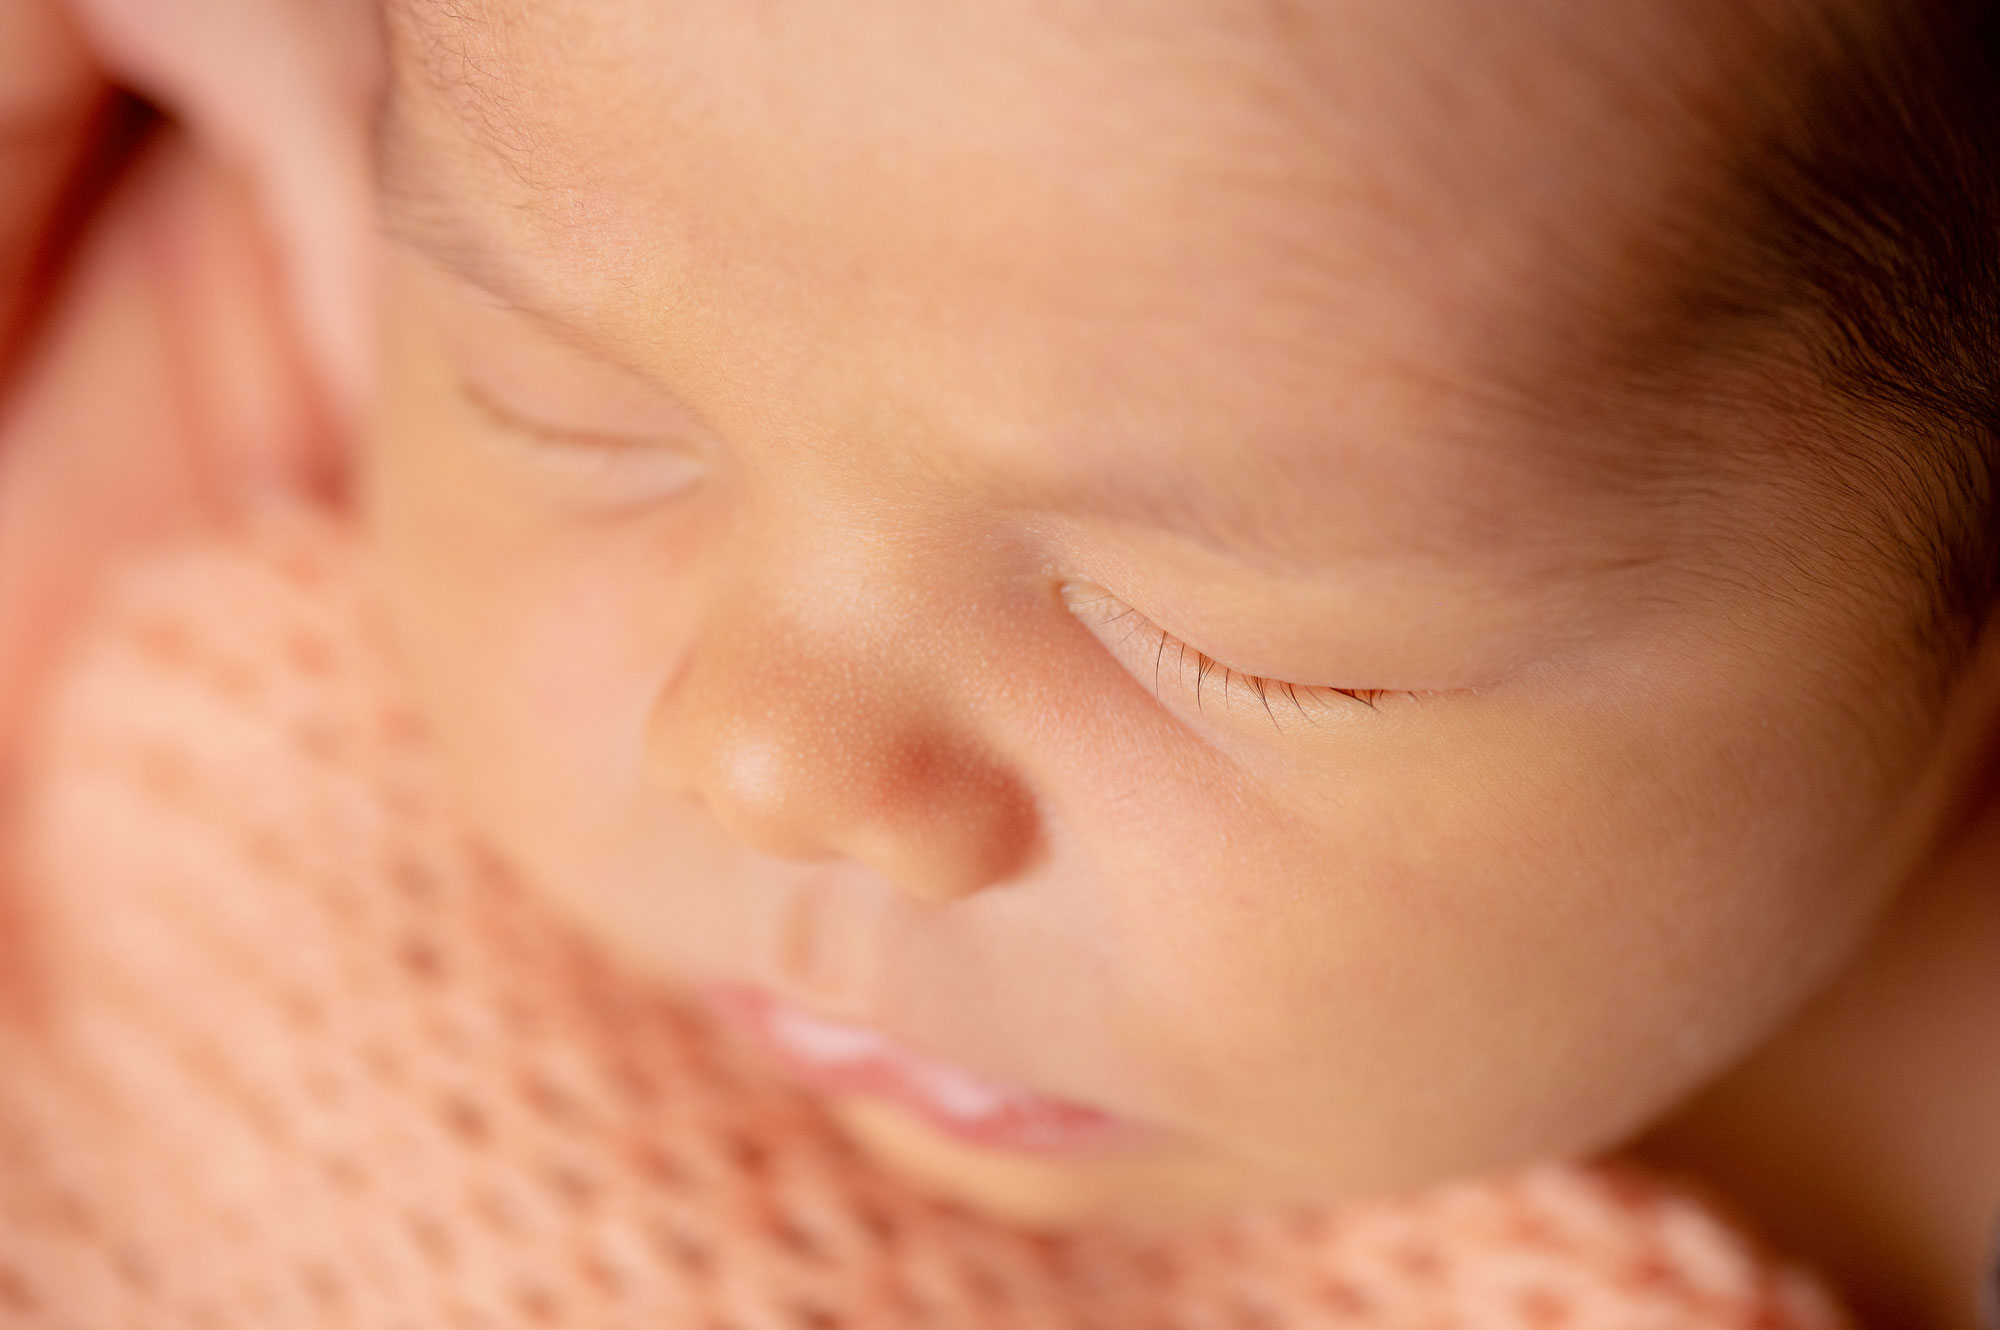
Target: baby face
1096, 541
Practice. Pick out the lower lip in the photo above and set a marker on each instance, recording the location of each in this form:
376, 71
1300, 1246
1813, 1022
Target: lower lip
842, 1058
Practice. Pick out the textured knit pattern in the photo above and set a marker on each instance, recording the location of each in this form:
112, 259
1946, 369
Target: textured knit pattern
285, 1048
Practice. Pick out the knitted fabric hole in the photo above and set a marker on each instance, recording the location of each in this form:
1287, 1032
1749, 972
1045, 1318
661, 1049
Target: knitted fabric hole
385, 1065
808, 1316
1421, 1262
326, 1289
305, 567
163, 773
432, 1239
269, 853
660, 1169
468, 1318
1344, 1299
134, 1270
550, 1102
634, 1084
539, 1306
1248, 1316
876, 1221
602, 1277
346, 1174
412, 879
303, 1012
687, 1253
798, 1240
15, 1292
466, 1121
232, 681
986, 1288
1543, 1309
525, 1022
572, 1189
749, 1154
498, 1211
164, 642
69, 1215
421, 960
310, 654
323, 1087
321, 742
1653, 1271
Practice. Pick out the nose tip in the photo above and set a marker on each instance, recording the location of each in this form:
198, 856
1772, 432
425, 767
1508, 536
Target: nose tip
747, 782
871, 780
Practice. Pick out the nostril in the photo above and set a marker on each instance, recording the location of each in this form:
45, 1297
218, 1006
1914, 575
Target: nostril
946, 823
815, 765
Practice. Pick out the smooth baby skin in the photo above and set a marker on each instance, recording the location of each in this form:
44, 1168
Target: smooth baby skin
769, 591
1115, 546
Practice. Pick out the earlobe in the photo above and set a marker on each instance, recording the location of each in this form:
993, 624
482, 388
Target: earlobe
284, 92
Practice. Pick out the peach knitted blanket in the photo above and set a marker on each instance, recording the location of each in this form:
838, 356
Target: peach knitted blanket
282, 1047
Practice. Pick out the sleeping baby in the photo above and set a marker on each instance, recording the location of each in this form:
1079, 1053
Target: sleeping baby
1218, 663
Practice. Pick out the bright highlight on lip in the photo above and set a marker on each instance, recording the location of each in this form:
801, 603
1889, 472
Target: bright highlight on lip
841, 1057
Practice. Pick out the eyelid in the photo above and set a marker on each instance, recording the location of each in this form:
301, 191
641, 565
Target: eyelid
1132, 633
554, 435
587, 471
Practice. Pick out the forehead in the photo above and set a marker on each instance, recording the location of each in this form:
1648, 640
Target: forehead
1180, 242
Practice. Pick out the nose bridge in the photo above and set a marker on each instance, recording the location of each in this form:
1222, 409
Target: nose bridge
815, 717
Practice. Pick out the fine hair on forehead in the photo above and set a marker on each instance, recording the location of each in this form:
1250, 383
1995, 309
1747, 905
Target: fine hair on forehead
1851, 223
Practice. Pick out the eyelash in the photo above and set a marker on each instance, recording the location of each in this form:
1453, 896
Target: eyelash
611, 473
536, 433
1272, 694
1265, 689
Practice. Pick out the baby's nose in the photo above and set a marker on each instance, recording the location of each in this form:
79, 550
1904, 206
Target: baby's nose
805, 752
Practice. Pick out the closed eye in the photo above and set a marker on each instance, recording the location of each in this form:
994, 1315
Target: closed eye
587, 468
547, 435
1169, 663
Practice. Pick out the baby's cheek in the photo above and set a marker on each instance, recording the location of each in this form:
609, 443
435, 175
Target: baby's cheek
1260, 973
1466, 949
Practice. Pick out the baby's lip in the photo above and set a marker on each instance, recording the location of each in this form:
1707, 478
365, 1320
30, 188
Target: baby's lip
842, 1057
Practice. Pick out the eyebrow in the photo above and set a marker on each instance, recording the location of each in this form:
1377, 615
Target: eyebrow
422, 219
416, 210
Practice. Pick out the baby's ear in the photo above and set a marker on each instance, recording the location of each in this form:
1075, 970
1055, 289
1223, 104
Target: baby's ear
283, 91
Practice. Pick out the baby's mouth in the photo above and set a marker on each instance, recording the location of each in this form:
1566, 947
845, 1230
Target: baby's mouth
843, 1058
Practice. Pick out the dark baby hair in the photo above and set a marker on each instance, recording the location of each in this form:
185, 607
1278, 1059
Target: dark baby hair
1873, 223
